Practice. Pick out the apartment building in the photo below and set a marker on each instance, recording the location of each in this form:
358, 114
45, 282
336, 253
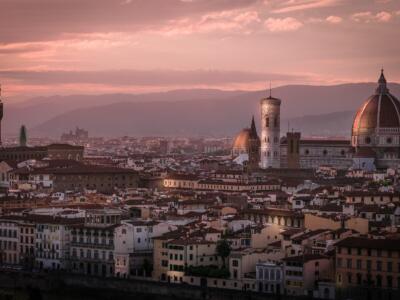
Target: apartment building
303, 272
92, 243
9, 241
363, 262
53, 237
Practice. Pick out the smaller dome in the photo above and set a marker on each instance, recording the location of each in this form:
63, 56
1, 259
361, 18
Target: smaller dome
241, 141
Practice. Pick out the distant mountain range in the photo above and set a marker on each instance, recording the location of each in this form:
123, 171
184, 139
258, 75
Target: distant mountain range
314, 110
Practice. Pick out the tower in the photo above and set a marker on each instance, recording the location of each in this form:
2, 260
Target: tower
23, 136
270, 132
253, 147
293, 150
1, 116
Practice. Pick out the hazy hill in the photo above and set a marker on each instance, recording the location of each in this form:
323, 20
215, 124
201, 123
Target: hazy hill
321, 110
37, 110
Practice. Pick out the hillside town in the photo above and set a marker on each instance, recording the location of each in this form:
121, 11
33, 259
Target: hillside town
249, 214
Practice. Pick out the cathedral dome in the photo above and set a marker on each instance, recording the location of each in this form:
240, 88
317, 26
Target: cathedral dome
378, 116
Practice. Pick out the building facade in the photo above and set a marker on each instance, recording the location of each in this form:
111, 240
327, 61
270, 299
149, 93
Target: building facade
367, 263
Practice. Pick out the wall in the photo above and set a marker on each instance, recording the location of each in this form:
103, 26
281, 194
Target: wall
100, 288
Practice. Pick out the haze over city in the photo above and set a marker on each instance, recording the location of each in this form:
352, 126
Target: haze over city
199, 149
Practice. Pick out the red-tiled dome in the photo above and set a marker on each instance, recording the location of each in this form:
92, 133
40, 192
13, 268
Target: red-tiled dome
242, 140
381, 110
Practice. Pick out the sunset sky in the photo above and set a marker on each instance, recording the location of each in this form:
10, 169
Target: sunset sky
50, 47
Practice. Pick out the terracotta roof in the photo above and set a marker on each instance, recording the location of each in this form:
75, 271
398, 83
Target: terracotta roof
359, 242
380, 110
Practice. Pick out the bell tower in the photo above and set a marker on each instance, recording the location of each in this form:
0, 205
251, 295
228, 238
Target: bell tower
270, 132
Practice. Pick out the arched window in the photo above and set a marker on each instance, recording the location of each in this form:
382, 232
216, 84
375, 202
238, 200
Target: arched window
267, 122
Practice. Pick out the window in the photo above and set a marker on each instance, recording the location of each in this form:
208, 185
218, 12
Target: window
379, 281
278, 275
359, 278
368, 265
379, 265
349, 263
339, 262
349, 277
367, 140
359, 264
389, 280
389, 266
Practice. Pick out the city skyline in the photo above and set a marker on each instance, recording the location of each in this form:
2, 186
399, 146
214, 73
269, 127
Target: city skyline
79, 47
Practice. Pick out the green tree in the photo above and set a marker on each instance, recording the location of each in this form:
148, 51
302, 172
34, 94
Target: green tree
223, 249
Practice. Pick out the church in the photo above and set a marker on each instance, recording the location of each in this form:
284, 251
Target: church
374, 144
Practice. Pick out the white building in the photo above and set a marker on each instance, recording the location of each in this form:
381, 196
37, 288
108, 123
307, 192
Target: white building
53, 237
269, 277
134, 245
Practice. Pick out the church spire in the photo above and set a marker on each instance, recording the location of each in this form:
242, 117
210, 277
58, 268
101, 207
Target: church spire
382, 84
253, 129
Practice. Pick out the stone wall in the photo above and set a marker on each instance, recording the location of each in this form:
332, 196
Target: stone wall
108, 288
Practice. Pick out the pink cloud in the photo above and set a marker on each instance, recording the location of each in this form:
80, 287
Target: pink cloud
298, 5
383, 16
334, 19
282, 24
225, 21
368, 17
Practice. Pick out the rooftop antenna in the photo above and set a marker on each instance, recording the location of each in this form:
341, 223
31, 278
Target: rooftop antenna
270, 89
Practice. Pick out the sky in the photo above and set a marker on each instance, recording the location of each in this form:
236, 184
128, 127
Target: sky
63, 47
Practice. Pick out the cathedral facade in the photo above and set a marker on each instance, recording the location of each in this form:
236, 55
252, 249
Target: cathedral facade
375, 138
